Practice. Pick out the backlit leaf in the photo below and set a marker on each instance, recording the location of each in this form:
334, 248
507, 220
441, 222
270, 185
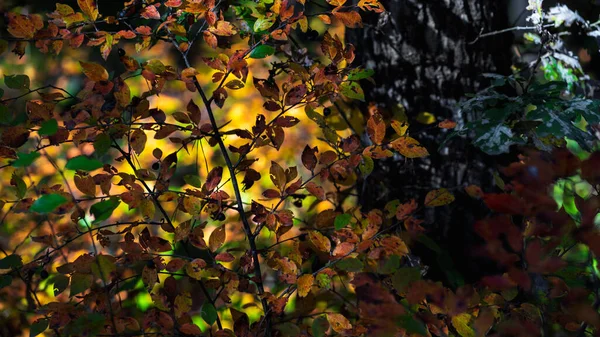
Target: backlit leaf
94, 71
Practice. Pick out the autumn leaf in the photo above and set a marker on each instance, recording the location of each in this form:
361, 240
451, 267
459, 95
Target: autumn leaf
138, 141
409, 147
21, 26
309, 159
439, 197
94, 71
216, 239
305, 282
278, 176
321, 242
447, 124
149, 277
89, 8
338, 322
350, 19
376, 128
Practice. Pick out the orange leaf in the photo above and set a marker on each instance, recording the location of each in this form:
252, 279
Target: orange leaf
439, 197
21, 26
305, 282
409, 147
278, 176
447, 124
349, 19
320, 241
339, 323
376, 128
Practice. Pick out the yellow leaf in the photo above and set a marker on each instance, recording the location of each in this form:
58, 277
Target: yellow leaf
147, 208
89, 8
94, 71
439, 197
409, 147
338, 322
399, 127
195, 268
183, 304
461, 324
305, 282
321, 242
425, 118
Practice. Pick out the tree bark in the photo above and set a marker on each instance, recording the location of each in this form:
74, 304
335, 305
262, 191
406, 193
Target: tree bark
425, 59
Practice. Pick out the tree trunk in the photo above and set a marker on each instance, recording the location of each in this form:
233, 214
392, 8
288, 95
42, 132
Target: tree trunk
425, 59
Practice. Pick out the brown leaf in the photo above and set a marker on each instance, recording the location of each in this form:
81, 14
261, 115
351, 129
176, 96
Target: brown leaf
15, 136
94, 71
316, 190
149, 277
376, 128
214, 178
278, 176
217, 237
138, 140
86, 185
309, 159
295, 95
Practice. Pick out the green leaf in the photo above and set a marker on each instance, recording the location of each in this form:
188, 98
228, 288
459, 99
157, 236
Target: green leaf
350, 264
193, 179
391, 265
17, 81
352, 90
11, 261
38, 327
60, 283
403, 277
102, 144
289, 329
323, 281
342, 221
20, 185
80, 283
366, 166
103, 209
320, 326
47, 203
83, 163
429, 243
359, 74
5, 281
411, 325
209, 313
49, 128
103, 266
262, 51
25, 159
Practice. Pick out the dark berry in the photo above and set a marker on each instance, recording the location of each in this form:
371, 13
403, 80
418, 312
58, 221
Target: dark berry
327, 112
221, 217
121, 52
44, 274
156, 166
